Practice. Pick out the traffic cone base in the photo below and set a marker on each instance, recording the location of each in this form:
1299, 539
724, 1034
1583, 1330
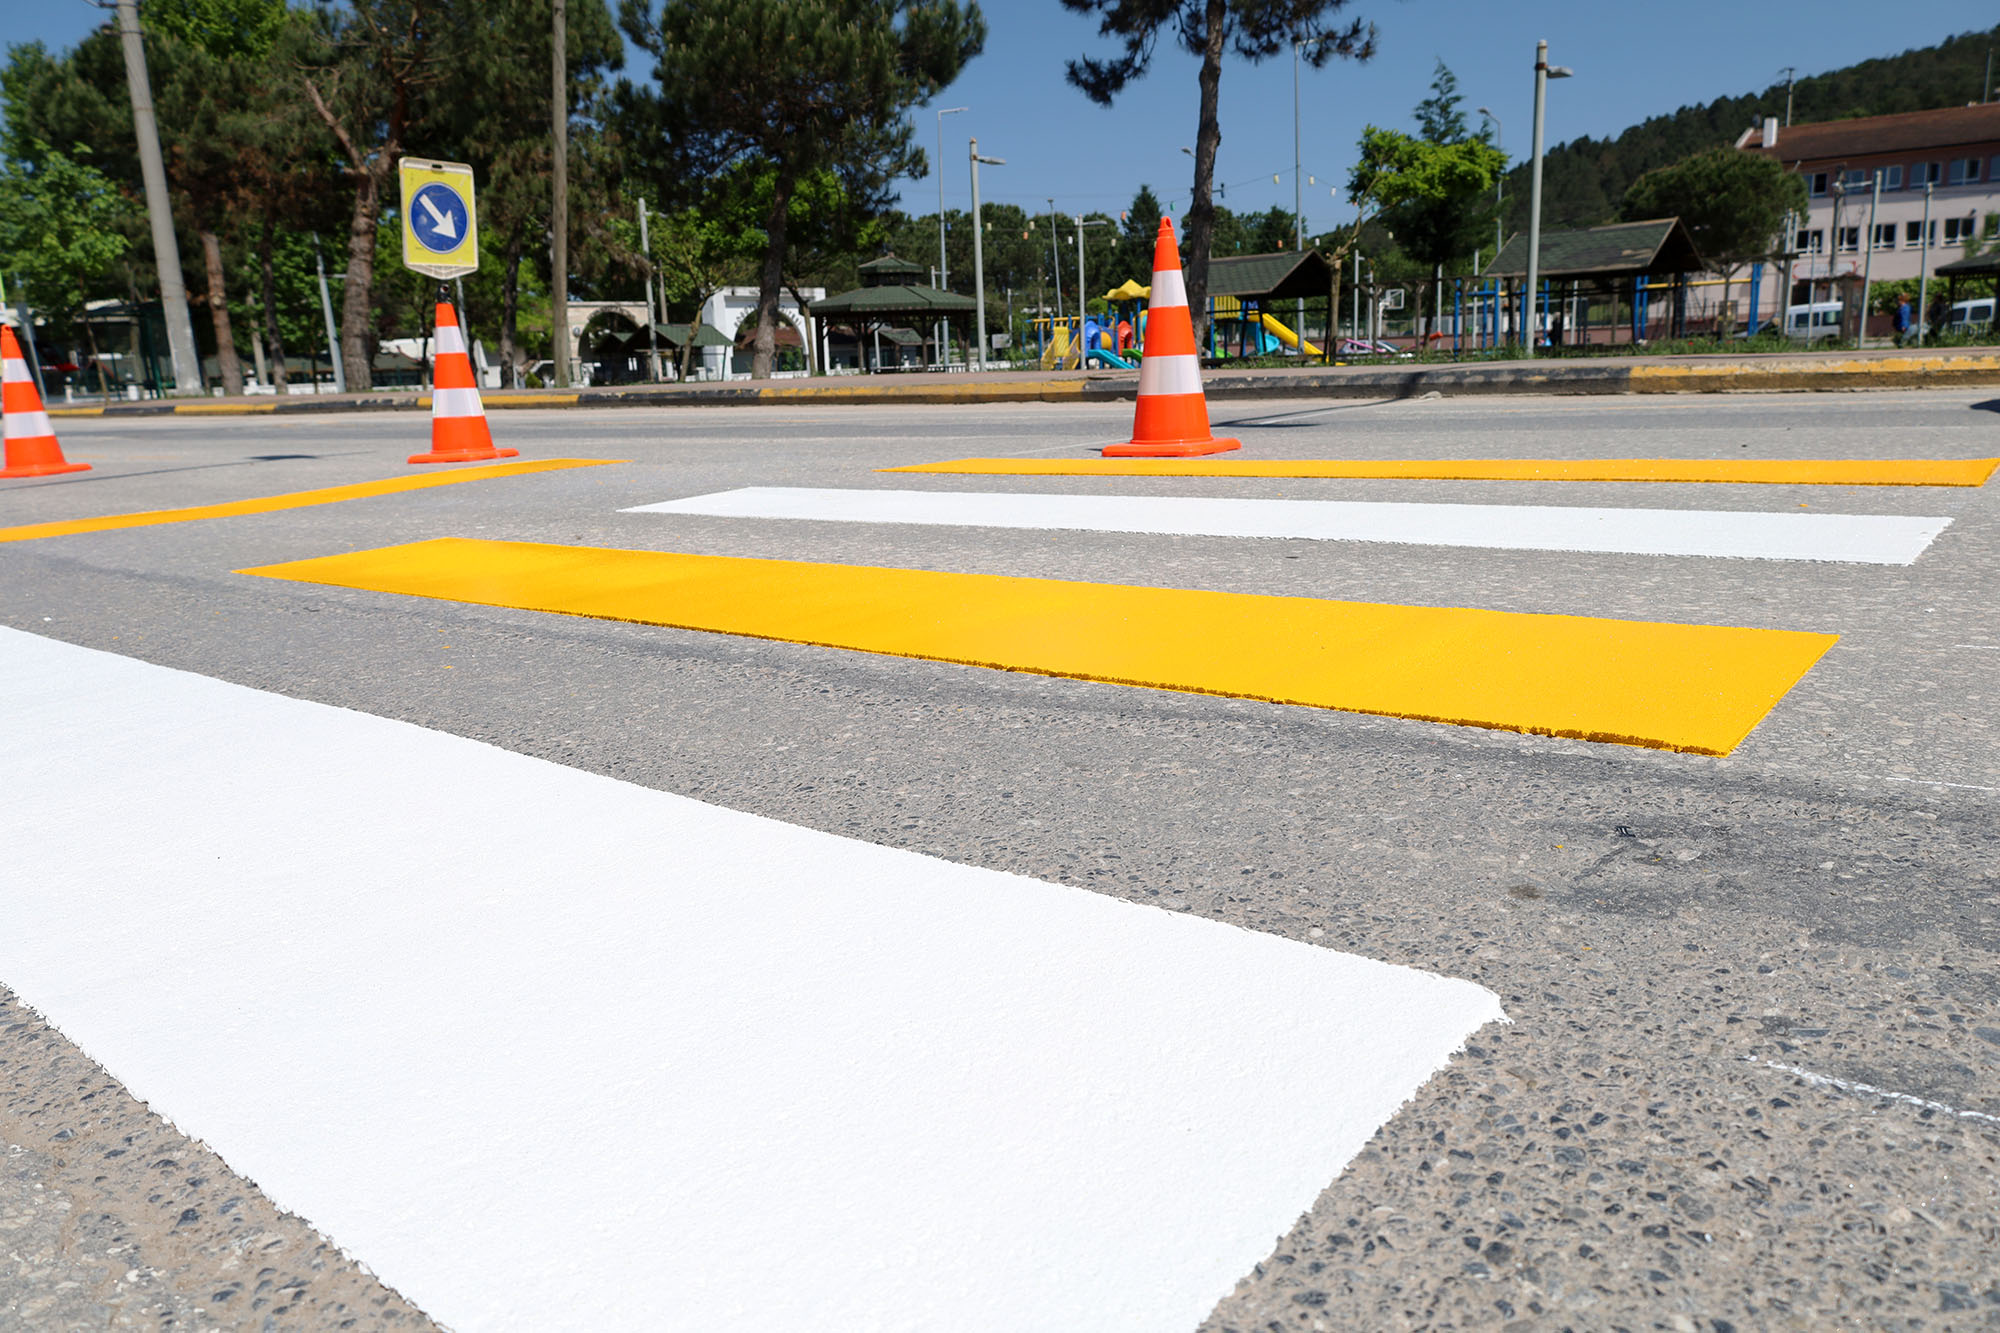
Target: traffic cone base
458, 421
32, 450
1171, 419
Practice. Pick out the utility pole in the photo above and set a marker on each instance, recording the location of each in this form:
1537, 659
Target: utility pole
978, 249
652, 326
559, 205
943, 276
1499, 183
1924, 280
1055, 261
1544, 71
332, 335
1082, 299
166, 250
1788, 71
1868, 258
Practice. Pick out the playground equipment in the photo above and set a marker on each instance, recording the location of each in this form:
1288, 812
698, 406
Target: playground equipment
1292, 340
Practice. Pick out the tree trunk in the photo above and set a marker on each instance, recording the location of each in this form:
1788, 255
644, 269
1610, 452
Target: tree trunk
273, 336
1207, 137
218, 313
1724, 325
510, 307
357, 297
764, 351
805, 333
96, 357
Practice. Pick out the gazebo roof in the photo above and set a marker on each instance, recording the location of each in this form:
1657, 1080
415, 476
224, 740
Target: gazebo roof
1282, 275
1979, 266
1622, 250
879, 303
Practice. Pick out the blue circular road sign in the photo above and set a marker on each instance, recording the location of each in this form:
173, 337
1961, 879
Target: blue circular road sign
438, 218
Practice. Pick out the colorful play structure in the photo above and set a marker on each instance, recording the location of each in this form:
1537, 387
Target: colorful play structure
1243, 292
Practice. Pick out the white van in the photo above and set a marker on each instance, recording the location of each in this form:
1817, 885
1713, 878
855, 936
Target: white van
1967, 316
1810, 323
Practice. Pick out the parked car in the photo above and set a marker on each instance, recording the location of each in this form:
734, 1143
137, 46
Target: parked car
1968, 316
1369, 347
1810, 323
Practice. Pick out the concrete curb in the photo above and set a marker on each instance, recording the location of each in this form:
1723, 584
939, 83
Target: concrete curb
1599, 377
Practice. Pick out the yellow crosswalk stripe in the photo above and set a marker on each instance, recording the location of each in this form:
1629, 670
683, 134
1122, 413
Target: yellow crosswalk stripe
415, 481
1698, 688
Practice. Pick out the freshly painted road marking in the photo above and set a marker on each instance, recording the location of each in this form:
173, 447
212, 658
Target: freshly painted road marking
504, 1029
415, 481
1677, 687
1774, 472
1870, 1090
1875, 539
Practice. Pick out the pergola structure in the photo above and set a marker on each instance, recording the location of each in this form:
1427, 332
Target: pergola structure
1261, 281
889, 298
1620, 261
1970, 270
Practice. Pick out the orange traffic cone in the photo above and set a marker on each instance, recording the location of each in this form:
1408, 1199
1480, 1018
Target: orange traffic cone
458, 422
1172, 417
32, 450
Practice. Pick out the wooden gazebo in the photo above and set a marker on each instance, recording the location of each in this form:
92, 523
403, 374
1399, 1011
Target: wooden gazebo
888, 297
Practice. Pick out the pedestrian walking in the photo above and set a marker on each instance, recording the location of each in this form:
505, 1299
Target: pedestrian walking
1902, 319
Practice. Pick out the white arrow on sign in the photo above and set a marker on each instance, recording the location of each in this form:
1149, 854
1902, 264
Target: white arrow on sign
441, 221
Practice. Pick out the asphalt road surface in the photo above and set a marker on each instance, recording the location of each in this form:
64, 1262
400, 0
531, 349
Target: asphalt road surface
1752, 1074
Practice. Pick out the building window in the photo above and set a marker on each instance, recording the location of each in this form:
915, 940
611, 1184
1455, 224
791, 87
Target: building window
1892, 178
1854, 178
1885, 235
1964, 171
1817, 183
1992, 231
1913, 234
1926, 173
1957, 231
1811, 242
1849, 239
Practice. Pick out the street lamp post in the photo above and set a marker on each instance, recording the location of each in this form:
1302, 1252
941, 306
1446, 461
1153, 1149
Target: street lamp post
1867, 258
1499, 182
944, 267
1298, 177
1082, 297
1055, 265
979, 250
1544, 71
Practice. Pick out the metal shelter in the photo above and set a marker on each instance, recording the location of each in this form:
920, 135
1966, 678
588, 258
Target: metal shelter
1626, 261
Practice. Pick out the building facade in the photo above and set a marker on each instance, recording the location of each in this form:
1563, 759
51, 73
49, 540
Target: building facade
1849, 228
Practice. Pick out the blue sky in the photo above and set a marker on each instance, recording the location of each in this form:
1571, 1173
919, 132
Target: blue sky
1629, 65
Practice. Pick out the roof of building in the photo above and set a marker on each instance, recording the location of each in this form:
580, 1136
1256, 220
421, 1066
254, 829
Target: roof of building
876, 303
1283, 275
1979, 266
1621, 250
1864, 136
887, 270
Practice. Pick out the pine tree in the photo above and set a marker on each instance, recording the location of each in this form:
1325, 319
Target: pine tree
804, 85
1253, 29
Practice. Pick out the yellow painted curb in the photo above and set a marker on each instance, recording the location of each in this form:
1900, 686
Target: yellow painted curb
1854, 373
1697, 688
976, 392
416, 481
525, 400
1742, 471
76, 411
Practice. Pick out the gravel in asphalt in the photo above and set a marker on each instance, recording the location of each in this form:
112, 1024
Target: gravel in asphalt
1673, 936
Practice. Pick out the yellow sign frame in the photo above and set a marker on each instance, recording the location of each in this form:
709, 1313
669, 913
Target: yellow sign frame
413, 174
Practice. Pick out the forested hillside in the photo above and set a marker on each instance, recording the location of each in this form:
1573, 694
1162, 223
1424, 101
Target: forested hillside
1584, 179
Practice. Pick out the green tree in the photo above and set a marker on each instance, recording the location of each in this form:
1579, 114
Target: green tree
1431, 194
1732, 203
805, 86
1134, 257
62, 227
1255, 30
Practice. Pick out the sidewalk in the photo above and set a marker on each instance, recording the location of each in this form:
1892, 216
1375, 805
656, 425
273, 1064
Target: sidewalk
1781, 372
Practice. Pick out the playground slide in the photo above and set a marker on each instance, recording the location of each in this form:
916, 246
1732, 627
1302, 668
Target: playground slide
1112, 359
1287, 337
